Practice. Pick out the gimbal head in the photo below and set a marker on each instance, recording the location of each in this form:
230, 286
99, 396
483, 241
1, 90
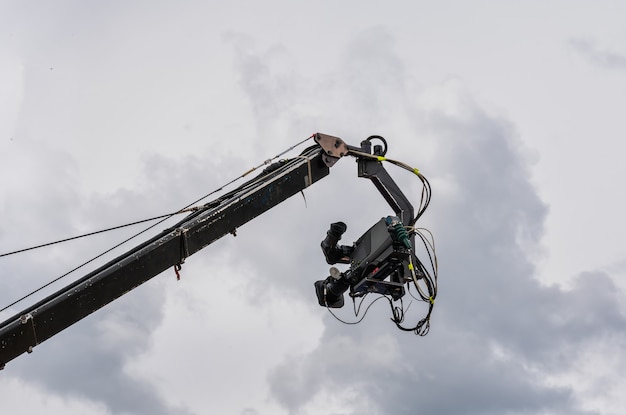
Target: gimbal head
380, 259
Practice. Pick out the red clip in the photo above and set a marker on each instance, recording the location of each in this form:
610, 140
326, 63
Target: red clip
177, 268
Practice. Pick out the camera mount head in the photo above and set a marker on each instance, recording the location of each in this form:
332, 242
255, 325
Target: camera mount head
380, 259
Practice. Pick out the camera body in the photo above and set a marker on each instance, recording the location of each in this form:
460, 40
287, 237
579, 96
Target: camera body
379, 262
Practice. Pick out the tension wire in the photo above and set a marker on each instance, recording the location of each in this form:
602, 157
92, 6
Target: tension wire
163, 218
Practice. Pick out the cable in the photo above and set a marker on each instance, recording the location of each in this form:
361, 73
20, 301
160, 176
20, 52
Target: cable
78, 267
426, 189
359, 308
430, 279
421, 328
100, 231
163, 219
266, 162
168, 215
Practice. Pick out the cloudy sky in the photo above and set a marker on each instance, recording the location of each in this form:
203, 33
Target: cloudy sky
116, 111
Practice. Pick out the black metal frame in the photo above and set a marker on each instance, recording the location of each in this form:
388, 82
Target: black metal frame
378, 262
70, 304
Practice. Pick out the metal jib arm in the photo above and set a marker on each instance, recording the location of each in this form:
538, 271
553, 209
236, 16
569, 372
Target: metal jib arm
374, 257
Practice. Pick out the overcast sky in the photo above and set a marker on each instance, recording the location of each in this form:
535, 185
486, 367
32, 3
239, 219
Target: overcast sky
116, 111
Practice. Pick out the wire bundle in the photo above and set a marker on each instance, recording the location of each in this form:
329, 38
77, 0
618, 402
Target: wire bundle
423, 277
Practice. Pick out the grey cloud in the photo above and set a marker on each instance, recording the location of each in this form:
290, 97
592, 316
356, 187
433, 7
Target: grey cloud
334, 103
495, 201
590, 50
88, 360
496, 331
489, 301
269, 79
368, 91
374, 74
453, 375
488, 296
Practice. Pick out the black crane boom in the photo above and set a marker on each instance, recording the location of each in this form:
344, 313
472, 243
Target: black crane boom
70, 304
381, 262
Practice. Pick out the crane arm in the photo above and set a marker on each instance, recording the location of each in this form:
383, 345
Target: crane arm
382, 261
224, 215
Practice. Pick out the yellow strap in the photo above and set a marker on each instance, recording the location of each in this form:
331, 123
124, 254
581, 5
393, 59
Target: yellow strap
432, 300
417, 172
381, 158
248, 172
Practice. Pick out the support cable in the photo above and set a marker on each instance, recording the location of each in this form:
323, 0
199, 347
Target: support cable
168, 215
162, 218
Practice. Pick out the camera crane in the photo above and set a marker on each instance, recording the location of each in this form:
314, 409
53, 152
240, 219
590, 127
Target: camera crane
382, 261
